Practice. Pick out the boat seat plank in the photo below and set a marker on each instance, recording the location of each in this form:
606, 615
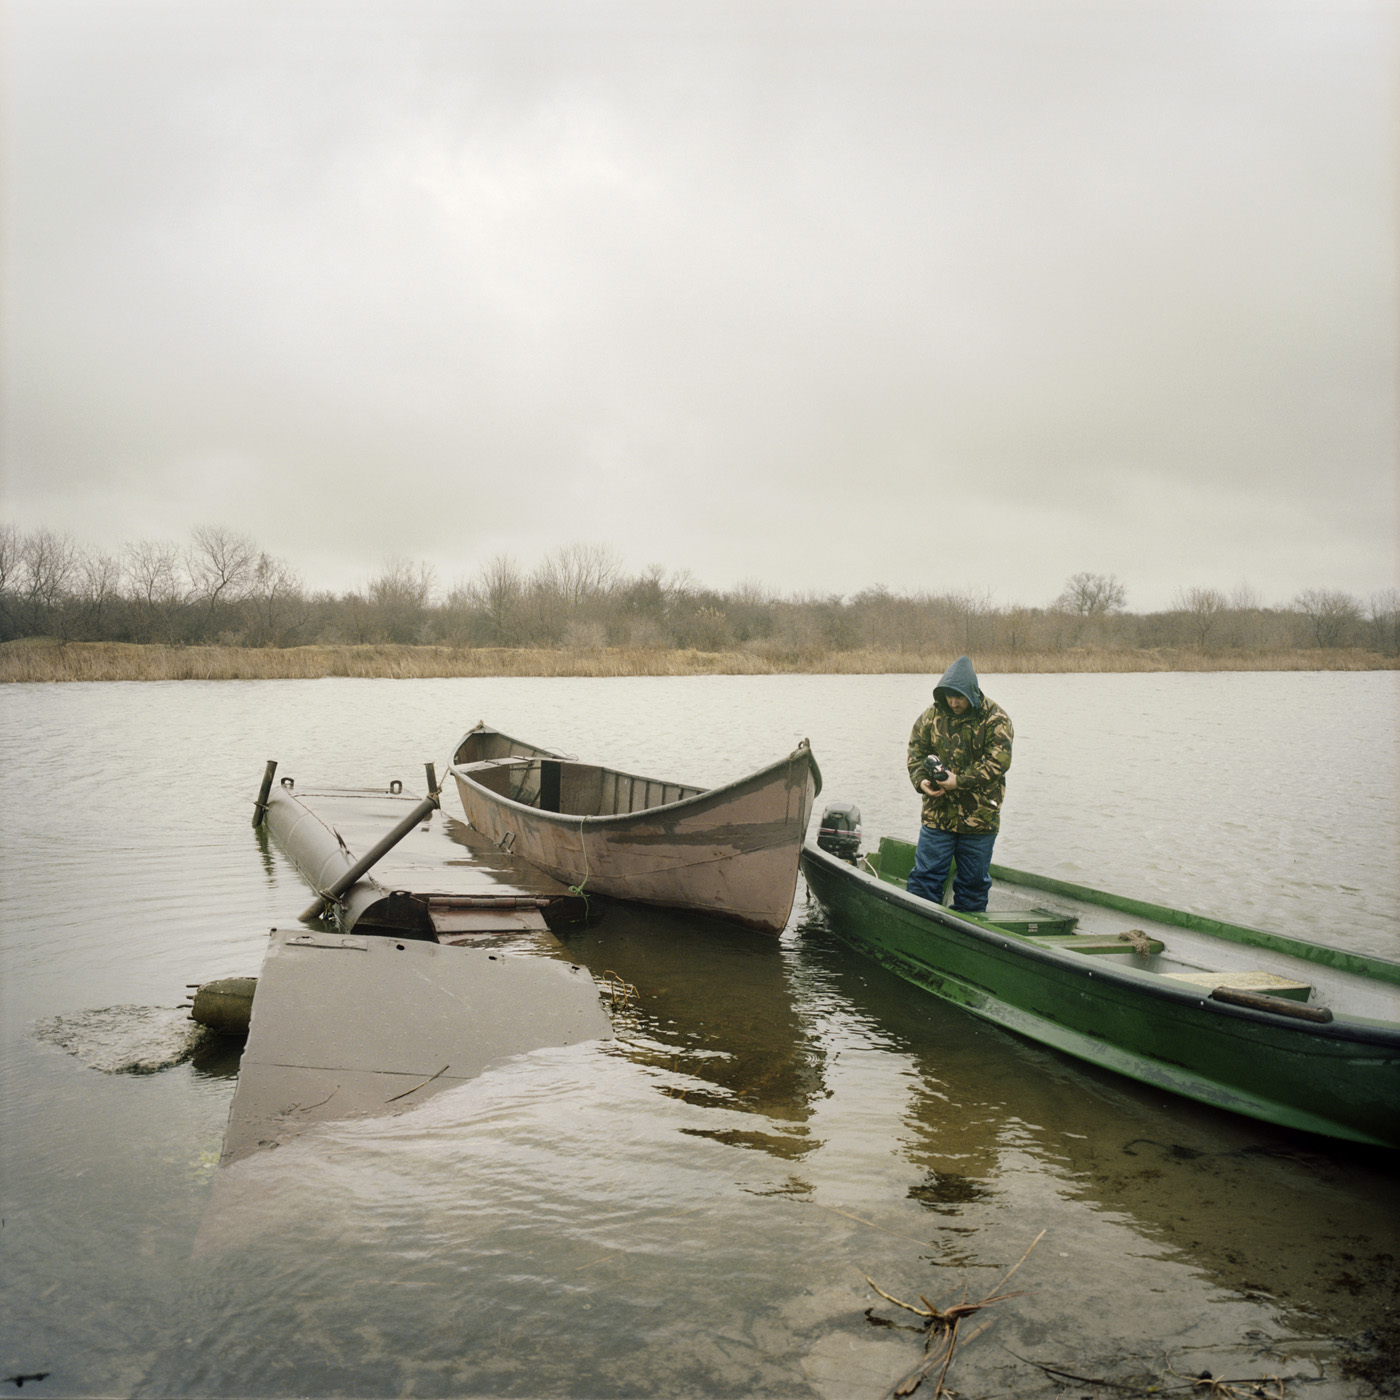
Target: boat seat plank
1096, 943
1033, 923
1268, 983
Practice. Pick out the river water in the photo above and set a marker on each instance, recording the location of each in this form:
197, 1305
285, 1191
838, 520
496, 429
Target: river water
694, 1207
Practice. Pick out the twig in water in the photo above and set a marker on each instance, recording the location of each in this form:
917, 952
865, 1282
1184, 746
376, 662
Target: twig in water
307, 1107
1071, 1376
942, 1327
393, 1097
1216, 1389
1225, 1390
621, 993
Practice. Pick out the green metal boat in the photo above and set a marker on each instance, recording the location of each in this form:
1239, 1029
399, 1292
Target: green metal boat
1278, 1028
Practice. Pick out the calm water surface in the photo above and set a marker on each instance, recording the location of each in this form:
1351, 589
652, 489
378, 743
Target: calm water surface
690, 1209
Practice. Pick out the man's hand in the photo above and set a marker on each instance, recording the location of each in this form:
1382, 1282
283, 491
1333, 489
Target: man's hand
938, 789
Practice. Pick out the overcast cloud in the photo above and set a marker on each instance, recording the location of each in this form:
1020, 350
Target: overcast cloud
820, 295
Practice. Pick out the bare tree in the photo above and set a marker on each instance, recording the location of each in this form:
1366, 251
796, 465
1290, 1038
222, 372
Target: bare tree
580, 573
570, 586
1383, 614
1202, 608
276, 604
98, 587
498, 592
155, 584
398, 597
221, 566
1331, 612
11, 551
48, 565
1244, 597
1015, 628
971, 610
1092, 595
11, 557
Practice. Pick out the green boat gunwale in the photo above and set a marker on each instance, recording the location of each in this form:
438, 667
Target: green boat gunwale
1340, 959
1341, 1028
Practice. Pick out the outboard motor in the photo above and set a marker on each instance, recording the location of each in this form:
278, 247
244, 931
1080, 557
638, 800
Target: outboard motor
839, 832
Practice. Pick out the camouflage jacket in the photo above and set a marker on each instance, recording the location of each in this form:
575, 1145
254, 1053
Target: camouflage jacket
976, 746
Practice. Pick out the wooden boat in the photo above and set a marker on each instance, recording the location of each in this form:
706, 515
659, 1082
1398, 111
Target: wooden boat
730, 850
1280, 1029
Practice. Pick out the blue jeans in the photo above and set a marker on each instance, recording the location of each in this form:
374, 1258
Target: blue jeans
937, 850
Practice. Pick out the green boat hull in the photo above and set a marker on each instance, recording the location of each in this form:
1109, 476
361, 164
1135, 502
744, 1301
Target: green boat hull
1339, 1078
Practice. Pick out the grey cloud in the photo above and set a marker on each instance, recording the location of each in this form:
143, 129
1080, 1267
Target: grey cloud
743, 286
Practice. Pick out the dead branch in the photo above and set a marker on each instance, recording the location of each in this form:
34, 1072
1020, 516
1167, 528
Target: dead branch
620, 993
1205, 1383
941, 1327
396, 1097
1227, 1390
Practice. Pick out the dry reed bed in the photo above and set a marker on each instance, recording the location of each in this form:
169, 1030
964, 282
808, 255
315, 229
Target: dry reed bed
114, 661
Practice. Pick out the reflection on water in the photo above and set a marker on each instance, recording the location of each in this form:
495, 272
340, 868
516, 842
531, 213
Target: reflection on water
1274, 1216
714, 1012
692, 1208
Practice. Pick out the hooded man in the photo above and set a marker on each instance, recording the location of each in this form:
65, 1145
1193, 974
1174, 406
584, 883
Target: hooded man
971, 734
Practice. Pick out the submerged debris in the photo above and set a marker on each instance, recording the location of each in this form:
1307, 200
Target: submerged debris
941, 1328
1208, 1385
620, 994
1204, 1384
124, 1039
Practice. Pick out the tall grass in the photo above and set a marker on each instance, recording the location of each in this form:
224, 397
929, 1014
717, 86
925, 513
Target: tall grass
117, 661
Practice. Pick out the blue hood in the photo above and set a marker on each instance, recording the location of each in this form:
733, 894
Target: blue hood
961, 678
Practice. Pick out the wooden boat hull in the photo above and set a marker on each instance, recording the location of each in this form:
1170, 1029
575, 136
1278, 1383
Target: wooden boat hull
1339, 1077
731, 851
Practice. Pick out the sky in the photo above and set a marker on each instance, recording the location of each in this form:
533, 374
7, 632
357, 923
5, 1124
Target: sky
817, 295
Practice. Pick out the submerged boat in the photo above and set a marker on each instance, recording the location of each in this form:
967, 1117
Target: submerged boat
1277, 1028
731, 850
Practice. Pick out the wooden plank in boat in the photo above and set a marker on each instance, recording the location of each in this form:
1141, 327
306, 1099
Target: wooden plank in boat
1035, 923
1269, 983
1098, 943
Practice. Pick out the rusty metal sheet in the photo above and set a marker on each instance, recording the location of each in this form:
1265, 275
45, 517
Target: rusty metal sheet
450, 922
353, 1027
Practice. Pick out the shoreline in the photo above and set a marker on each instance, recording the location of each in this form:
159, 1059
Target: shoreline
57, 662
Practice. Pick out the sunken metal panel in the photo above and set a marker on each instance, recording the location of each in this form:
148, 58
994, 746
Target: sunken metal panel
347, 1027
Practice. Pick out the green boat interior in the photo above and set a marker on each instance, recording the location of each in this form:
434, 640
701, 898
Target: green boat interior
1050, 928
575, 789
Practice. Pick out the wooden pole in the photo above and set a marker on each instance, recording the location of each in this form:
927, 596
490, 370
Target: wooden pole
380, 848
260, 807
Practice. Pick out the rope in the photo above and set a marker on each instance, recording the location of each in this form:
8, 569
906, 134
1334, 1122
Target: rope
1140, 942
578, 889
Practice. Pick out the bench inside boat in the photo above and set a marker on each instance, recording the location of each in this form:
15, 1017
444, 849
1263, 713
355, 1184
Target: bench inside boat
575, 789
1049, 928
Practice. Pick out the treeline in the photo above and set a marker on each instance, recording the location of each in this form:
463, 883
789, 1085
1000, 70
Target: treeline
220, 589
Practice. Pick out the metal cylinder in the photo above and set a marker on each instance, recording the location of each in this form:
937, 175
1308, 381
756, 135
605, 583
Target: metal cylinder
380, 848
225, 1006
